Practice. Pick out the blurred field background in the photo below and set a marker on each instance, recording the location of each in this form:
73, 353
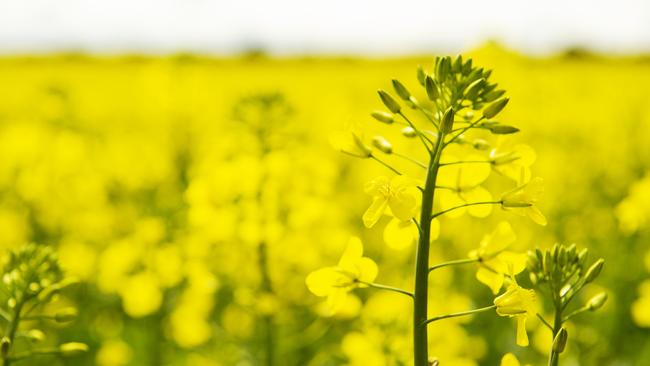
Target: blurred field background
146, 175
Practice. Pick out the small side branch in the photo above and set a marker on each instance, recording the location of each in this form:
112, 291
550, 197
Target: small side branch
462, 313
453, 263
465, 205
547, 324
373, 157
387, 288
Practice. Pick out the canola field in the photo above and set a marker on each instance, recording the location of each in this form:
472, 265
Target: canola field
192, 196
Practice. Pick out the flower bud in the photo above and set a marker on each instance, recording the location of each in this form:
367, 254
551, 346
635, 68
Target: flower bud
447, 122
383, 117
480, 144
559, 343
401, 90
382, 145
388, 101
597, 301
472, 89
594, 270
35, 335
73, 348
421, 75
494, 108
409, 132
431, 87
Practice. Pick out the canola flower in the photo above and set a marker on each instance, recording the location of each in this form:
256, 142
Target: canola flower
455, 88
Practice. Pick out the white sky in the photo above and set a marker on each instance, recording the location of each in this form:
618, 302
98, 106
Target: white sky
336, 26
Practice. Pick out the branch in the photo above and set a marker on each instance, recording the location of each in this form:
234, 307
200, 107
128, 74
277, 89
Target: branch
387, 288
465, 205
385, 164
453, 263
462, 313
548, 325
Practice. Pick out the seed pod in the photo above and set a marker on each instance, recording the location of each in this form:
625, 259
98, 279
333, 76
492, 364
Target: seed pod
382, 144
493, 109
532, 262
467, 67
401, 90
500, 129
480, 144
444, 68
431, 87
388, 101
594, 270
383, 117
559, 343
65, 315
5, 344
597, 301
409, 132
458, 64
582, 257
447, 122
493, 95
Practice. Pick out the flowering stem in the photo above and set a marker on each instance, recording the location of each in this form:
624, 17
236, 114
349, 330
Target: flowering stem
554, 357
465, 205
12, 327
421, 292
453, 263
462, 313
387, 288
385, 164
576, 312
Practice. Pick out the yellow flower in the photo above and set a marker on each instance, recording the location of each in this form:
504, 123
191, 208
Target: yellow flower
398, 194
510, 360
494, 260
520, 303
461, 184
523, 198
352, 271
513, 162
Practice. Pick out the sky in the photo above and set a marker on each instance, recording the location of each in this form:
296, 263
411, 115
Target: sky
361, 27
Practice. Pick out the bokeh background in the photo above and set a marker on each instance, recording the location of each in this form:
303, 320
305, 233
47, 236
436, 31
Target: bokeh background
142, 149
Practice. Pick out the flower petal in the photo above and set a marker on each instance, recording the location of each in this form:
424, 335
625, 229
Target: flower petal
400, 235
374, 212
491, 279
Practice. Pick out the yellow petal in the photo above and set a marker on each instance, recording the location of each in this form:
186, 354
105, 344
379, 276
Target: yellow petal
402, 205
367, 269
399, 234
374, 212
449, 199
478, 194
336, 299
497, 241
491, 279
536, 215
322, 281
511, 260
509, 360
522, 336
473, 174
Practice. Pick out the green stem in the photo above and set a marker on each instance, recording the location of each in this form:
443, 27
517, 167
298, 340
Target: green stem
421, 292
541, 318
12, 327
576, 312
387, 288
462, 313
554, 357
453, 263
385, 164
465, 205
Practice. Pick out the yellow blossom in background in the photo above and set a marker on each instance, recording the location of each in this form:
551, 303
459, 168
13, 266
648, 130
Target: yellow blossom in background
510, 359
519, 303
494, 260
114, 353
522, 200
461, 184
353, 270
399, 194
513, 161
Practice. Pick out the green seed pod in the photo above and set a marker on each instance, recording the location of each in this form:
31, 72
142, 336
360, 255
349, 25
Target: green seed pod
421, 75
597, 301
447, 123
533, 278
409, 132
500, 129
555, 251
559, 343
467, 67
493, 109
388, 101
401, 90
548, 263
539, 254
444, 68
493, 95
382, 144
431, 87
532, 262
383, 117
594, 271
458, 64
35, 335
571, 253
582, 257
562, 257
